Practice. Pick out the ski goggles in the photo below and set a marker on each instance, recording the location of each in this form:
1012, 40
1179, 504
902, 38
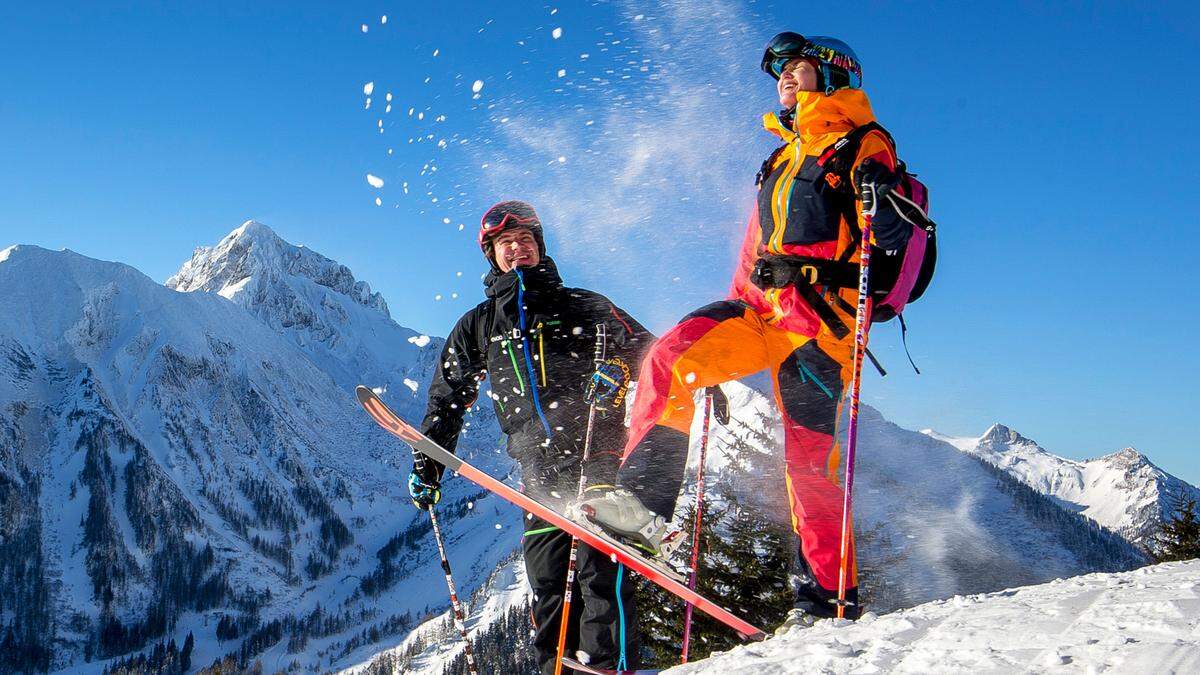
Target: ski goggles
781, 49
839, 64
505, 215
496, 222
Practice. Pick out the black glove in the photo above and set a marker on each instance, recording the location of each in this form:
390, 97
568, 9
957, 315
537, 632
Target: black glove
720, 405
875, 182
425, 481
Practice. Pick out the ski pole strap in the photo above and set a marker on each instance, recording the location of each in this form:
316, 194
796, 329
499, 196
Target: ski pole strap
904, 341
875, 362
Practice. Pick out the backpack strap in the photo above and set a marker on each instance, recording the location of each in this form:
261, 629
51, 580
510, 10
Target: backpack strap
834, 166
767, 165
839, 157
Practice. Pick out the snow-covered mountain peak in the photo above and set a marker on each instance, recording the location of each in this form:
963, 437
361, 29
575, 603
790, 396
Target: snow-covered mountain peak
176, 457
253, 228
253, 256
318, 305
1126, 458
6, 252
1000, 434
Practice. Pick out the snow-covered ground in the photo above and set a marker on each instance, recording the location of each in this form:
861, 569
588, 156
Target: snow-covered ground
1144, 621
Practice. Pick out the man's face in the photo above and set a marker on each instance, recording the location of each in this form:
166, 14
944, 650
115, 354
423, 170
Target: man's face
515, 248
797, 75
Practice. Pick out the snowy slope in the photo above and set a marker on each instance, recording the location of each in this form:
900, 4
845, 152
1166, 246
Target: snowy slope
1123, 491
436, 643
172, 458
1145, 621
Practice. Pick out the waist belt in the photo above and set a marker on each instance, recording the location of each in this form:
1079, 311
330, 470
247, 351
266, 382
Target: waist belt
805, 274
781, 271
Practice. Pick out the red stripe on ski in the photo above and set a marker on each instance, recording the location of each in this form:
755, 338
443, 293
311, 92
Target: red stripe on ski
623, 554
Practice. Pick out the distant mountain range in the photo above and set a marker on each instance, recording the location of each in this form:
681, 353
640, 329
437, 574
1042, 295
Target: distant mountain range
1123, 491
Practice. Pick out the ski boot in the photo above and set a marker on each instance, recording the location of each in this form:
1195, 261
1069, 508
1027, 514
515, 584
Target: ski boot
620, 513
797, 617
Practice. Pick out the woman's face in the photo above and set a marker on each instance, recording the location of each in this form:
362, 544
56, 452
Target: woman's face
797, 75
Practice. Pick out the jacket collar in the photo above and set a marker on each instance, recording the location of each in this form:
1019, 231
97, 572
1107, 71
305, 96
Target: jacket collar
816, 115
542, 278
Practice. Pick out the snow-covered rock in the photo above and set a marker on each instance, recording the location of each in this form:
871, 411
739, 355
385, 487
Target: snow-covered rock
1144, 621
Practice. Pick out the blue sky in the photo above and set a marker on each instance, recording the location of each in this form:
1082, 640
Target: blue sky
1058, 143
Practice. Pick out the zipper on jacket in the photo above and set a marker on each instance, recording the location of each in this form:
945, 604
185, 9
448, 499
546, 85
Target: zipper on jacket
783, 199
516, 369
537, 404
541, 353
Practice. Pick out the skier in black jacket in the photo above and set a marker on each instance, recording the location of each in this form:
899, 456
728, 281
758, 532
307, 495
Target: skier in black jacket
535, 339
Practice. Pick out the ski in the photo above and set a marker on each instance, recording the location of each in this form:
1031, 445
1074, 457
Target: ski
621, 552
581, 668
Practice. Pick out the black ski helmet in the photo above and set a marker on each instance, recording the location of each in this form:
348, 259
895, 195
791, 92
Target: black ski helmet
512, 214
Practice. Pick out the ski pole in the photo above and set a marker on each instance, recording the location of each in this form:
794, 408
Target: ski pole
459, 620
862, 320
601, 338
695, 569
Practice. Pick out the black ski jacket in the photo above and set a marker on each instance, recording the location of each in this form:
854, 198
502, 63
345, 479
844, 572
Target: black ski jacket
535, 340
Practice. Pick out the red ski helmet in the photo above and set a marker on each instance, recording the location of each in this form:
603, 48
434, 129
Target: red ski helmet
512, 214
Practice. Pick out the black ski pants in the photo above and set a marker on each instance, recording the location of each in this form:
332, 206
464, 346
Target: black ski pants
603, 618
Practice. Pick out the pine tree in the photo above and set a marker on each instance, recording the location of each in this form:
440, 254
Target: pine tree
745, 558
185, 658
1179, 537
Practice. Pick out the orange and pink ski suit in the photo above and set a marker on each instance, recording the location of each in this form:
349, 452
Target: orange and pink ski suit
808, 352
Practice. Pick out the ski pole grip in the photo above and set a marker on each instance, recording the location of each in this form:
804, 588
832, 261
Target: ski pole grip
869, 201
601, 338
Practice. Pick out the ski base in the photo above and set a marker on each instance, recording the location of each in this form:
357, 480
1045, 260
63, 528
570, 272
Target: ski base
669, 580
581, 668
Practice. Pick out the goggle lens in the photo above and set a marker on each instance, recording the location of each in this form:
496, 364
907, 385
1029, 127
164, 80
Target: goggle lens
782, 48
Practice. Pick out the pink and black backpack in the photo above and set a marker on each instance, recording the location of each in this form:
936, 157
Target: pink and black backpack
897, 277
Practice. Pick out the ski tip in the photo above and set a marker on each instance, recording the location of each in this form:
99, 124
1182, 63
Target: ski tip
364, 393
